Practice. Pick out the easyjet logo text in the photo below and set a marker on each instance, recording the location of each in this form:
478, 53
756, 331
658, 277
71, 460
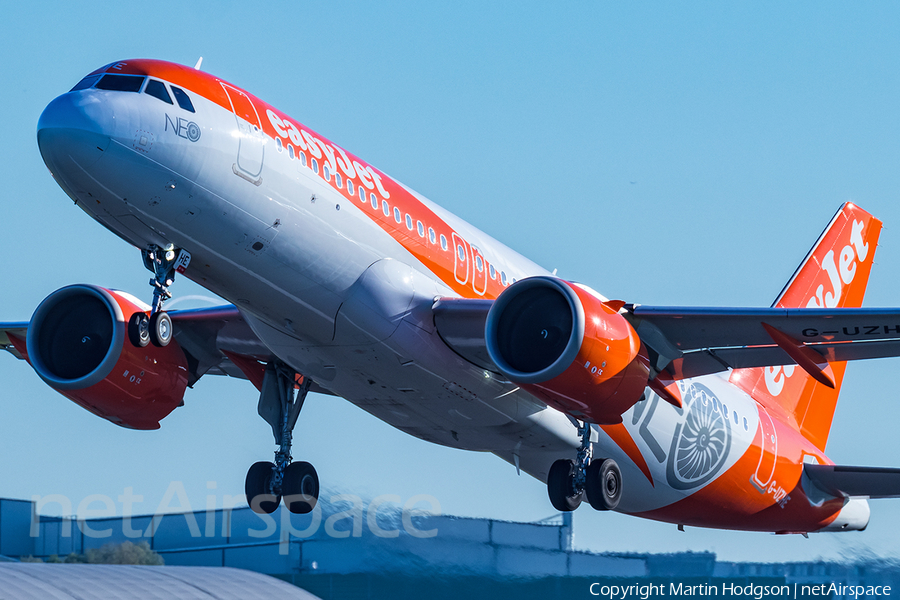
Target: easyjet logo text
333, 155
840, 269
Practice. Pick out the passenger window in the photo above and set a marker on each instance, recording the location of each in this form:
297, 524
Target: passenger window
157, 89
431, 236
443, 242
461, 253
503, 277
302, 159
326, 173
315, 166
735, 417
397, 216
121, 83
384, 206
372, 199
747, 427
492, 271
350, 187
291, 151
479, 264
182, 99
420, 228
278, 143
409, 222
338, 181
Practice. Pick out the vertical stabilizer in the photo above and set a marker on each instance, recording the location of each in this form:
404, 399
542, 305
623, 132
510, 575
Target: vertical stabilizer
833, 275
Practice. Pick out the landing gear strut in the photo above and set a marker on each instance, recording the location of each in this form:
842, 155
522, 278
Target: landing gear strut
157, 328
268, 483
570, 480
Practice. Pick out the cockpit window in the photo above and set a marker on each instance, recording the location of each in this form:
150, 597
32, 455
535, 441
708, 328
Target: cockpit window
121, 83
183, 100
157, 89
85, 83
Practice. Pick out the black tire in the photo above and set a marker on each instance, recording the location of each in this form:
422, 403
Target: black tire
139, 330
160, 328
256, 487
300, 487
603, 484
561, 486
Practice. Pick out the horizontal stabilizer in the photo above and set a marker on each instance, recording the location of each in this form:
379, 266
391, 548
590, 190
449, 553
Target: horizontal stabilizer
868, 482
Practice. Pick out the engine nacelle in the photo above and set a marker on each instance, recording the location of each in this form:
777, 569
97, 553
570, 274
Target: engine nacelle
78, 344
564, 344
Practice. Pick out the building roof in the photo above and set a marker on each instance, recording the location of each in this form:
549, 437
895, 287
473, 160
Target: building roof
114, 582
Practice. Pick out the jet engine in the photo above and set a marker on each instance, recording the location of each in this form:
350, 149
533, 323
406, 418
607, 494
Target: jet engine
77, 342
563, 343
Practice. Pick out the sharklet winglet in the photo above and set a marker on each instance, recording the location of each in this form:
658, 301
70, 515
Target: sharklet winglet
808, 359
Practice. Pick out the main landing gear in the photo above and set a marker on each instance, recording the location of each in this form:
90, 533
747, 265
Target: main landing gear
295, 482
156, 328
570, 480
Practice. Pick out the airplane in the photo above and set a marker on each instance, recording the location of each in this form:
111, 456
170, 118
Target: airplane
343, 281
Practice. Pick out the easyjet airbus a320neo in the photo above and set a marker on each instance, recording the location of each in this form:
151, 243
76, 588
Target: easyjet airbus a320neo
346, 282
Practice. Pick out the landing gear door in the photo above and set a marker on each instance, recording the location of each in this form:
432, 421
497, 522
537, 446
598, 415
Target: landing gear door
251, 140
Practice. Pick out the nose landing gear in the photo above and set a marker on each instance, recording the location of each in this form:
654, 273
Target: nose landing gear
570, 480
268, 483
157, 327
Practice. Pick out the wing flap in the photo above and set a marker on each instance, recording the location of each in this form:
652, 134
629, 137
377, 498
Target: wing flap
866, 482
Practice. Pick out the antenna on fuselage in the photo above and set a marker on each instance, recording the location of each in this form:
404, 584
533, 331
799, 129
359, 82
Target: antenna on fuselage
199, 62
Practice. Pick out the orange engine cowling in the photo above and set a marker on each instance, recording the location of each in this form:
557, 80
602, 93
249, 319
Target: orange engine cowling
564, 344
77, 343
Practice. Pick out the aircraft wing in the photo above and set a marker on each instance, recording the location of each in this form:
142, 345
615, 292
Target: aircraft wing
217, 341
17, 329
690, 342
868, 482
700, 341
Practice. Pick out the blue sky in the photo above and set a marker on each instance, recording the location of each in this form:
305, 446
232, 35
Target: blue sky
676, 154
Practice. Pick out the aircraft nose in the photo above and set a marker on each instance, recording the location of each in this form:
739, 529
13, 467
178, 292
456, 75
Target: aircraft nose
72, 130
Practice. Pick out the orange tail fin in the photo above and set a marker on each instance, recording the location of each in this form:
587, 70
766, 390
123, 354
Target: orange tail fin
833, 275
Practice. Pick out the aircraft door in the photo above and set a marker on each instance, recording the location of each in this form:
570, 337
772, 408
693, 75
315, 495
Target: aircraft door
765, 470
479, 273
251, 142
460, 258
